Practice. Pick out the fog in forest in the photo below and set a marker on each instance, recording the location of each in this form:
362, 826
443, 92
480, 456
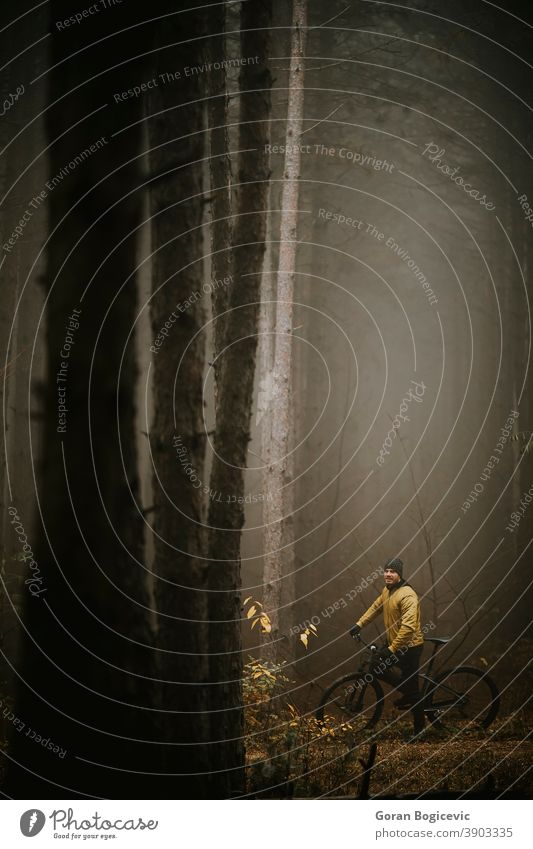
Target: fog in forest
225, 458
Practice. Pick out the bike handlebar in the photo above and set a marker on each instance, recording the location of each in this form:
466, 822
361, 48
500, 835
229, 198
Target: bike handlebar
371, 646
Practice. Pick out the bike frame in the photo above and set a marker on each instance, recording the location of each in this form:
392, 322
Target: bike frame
424, 676
436, 695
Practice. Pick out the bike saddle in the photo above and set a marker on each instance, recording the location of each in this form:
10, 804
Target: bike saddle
438, 640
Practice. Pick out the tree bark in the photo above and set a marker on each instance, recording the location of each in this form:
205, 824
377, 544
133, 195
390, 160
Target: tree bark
21, 306
176, 129
220, 178
278, 503
87, 643
235, 395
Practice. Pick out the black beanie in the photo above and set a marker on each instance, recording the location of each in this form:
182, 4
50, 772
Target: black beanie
395, 564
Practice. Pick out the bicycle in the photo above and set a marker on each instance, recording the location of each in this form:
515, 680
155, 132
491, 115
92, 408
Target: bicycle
455, 698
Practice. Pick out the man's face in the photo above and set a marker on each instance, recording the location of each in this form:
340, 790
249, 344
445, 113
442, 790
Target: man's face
391, 577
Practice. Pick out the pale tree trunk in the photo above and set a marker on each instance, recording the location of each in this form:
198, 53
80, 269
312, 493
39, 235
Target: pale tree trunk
266, 370
234, 402
266, 353
278, 551
312, 386
265, 411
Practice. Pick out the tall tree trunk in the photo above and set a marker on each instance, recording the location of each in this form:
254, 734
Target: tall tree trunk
176, 129
220, 178
235, 395
266, 353
277, 477
86, 641
21, 305
312, 389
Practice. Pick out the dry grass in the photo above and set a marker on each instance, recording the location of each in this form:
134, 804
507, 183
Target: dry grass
454, 765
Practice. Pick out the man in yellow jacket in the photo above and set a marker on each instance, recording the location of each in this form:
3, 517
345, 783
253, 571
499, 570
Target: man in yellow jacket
400, 606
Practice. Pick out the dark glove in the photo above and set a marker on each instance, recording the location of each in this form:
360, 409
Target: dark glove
355, 631
386, 655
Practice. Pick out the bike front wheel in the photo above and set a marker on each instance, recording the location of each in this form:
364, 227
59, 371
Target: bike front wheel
352, 700
464, 697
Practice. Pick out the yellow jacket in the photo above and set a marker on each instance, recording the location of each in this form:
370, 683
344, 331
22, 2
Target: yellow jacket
401, 614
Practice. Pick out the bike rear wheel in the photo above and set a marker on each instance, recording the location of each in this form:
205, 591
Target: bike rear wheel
464, 697
352, 700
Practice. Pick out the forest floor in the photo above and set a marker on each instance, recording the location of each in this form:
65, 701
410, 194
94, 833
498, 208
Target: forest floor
291, 755
481, 763
490, 765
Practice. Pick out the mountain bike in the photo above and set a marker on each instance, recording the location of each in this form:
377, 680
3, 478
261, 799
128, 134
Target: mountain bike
458, 698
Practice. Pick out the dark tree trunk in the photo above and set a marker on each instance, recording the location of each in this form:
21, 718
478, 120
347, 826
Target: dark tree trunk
22, 175
87, 641
235, 393
177, 146
220, 179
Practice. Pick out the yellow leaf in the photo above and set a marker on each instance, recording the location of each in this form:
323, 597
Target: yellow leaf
303, 638
246, 600
254, 623
312, 627
251, 612
483, 661
265, 624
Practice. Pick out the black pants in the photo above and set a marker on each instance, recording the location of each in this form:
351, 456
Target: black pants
403, 674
